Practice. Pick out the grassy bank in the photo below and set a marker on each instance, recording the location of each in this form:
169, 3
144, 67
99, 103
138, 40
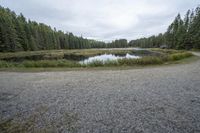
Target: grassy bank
146, 60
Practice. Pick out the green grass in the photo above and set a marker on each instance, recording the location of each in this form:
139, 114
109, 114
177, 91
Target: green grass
147, 60
40, 64
50, 63
179, 56
5, 64
166, 51
141, 61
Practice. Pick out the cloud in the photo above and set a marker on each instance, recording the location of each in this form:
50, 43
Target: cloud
103, 19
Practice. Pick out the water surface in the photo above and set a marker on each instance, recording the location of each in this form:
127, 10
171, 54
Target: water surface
107, 57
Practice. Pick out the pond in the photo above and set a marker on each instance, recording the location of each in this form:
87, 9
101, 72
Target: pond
106, 57
83, 57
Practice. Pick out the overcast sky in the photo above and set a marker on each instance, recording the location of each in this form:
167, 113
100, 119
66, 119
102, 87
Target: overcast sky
104, 19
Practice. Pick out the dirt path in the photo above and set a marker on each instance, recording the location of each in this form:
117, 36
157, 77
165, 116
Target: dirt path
157, 100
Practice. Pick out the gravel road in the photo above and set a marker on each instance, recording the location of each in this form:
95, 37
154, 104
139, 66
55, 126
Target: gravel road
151, 100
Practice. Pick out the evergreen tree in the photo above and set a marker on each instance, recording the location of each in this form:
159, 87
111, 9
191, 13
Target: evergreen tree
18, 34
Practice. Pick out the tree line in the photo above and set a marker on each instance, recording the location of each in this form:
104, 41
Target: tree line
19, 34
181, 34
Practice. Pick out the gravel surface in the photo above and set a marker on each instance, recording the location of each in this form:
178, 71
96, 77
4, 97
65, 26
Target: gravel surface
151, 100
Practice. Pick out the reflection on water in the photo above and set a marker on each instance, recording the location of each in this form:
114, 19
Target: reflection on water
106, 57
137, 48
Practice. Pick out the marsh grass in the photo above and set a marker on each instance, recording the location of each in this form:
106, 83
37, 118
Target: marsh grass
5, 64
147, 60
97, 63
172, 55
59, 54
141, 61
179, 56
50, 63
166, 51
